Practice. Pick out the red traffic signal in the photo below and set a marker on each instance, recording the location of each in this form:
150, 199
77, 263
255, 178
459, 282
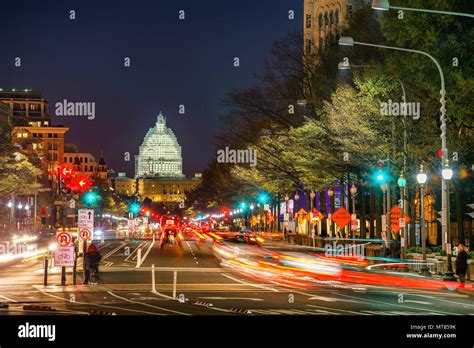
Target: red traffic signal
380, 163
81, 183
65, 171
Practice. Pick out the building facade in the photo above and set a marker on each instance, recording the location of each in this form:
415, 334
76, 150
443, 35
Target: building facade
158, 169
160, 153
323, 18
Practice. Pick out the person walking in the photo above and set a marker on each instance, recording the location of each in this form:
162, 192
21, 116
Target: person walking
91, 262
461, 263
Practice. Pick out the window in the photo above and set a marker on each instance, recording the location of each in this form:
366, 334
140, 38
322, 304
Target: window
40, 146
337, 16
308, 21
320, 20
18, 135
65, 159
55, 135
81, 160
326, 19
35, 146
86, 159
308, 46
331, 18
32, 107
46, 123
55, 156
349, 11
55, 146
25, 135
91, 168
50, 135
50, 146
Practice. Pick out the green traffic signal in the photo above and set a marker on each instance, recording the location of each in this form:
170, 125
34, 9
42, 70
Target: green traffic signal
90, 198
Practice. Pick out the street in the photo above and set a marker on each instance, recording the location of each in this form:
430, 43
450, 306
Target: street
203, 287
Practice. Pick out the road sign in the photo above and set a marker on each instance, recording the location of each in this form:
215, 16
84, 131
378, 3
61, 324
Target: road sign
64, 256
316, 216
341, 217
354, 223
85, 218
395, 218
85, 234
63, 238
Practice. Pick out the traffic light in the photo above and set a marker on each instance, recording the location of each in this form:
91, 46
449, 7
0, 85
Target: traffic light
90, 198
381, 174
134, 208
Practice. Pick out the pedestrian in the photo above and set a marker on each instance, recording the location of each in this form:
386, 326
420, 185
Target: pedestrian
461, 263
91, 262
285, 234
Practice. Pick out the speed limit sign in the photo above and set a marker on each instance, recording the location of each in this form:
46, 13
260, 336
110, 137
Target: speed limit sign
85, 234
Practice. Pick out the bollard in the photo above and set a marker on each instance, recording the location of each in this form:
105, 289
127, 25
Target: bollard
139, 258
102, 240
45, 281
175, 278
63, 275
153, 287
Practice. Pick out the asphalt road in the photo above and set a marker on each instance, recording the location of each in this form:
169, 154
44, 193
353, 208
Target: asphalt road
203, 287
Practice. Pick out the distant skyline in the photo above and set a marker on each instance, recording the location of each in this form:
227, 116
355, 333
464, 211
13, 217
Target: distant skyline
173, 62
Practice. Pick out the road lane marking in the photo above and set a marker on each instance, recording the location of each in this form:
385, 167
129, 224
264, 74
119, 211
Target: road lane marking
146, 254
99, 305
399, 305
233, 298
133, 252
8, 299
250, 284
337, 309
420, 302
146, 304
330, 299
110, 253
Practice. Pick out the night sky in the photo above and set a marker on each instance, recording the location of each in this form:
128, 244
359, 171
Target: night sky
173, 62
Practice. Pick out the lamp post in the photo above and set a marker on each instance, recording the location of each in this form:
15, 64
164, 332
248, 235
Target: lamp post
349, 41
330, 194
312, 195
421, 178
402, 183
297, 197
384, 5
447, 174
353, 191
286, 214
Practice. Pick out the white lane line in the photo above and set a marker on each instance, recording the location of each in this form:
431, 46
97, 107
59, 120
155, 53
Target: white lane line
420, 302
250, 284
146, 304
8, 299
397, 305
122, 244
99, 305
331, 299
449, 301
146, 254
337, 309
233, 298
133, 252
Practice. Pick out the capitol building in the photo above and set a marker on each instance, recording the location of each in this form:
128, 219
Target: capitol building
158, 169
160, 153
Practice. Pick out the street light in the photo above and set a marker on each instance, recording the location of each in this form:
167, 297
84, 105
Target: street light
9, 204
20, 206
330, 194
349, 41
384, 5
421, 178
447, 174
402, 183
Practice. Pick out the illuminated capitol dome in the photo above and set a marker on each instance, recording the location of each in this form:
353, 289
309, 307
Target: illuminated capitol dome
160, 154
